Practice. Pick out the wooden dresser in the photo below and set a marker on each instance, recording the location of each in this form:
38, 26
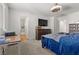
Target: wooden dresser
40, 32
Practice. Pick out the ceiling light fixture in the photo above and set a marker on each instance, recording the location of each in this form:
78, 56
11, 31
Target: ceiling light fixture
56, 8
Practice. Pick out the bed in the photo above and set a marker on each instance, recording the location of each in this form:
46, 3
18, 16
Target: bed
61, 44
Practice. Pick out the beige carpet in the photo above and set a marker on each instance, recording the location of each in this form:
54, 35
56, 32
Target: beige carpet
31, 47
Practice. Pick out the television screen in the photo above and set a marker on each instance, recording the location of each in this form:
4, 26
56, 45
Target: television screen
42, 22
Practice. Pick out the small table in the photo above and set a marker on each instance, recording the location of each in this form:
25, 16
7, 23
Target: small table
9, 44
10, 41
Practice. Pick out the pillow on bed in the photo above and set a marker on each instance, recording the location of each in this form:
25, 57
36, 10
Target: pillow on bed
64, 33
67, 33
61, 33
76, 33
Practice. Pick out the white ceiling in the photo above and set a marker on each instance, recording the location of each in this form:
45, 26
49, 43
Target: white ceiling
44, 8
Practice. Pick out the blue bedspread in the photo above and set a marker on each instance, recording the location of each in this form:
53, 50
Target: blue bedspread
67, 45
50, 44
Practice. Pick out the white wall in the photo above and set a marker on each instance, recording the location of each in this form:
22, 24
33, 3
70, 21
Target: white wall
62, 25
32, 20
54, 24
1, 17
5, 16
51, 24
66, 20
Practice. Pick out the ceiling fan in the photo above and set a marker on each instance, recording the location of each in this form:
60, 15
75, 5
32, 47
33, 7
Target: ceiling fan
56, 8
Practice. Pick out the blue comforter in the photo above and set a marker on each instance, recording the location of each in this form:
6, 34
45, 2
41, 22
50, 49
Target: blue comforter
67, 45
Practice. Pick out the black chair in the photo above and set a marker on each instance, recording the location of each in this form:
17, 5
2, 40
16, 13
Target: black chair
10, 34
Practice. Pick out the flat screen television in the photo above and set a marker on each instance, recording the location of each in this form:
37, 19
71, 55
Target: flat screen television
42, 22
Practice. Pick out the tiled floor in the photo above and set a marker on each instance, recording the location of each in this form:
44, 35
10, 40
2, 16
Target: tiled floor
31, 47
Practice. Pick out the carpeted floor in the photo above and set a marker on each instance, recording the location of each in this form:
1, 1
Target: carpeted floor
31, 47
